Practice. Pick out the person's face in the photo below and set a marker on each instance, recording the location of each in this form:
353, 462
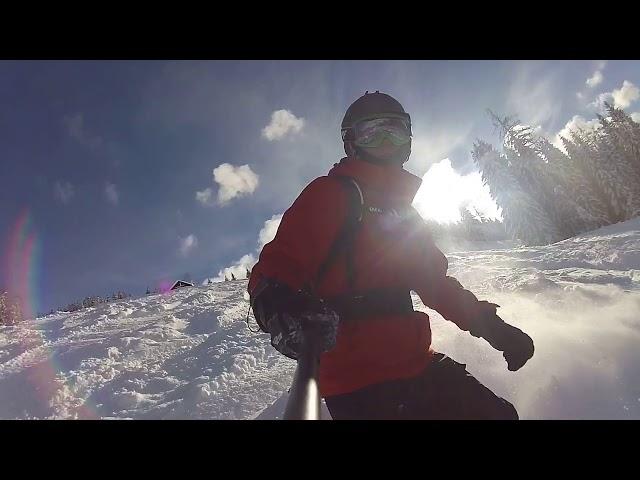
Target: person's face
388, 152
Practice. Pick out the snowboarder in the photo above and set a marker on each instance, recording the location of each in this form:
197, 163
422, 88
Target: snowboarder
346, 256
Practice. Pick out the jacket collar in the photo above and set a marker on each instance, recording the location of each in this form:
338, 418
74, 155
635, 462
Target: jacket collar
397, 183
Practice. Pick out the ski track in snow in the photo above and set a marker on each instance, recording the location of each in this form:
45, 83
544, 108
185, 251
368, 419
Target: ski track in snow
188, 354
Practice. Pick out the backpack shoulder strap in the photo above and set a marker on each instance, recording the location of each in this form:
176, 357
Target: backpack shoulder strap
345, 236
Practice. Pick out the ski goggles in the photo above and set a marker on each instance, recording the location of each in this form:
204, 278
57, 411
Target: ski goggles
371, 132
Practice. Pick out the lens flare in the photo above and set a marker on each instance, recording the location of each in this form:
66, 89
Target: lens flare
22, 280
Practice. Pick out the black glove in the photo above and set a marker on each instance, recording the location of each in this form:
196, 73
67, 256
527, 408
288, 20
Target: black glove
284, 314
516, 346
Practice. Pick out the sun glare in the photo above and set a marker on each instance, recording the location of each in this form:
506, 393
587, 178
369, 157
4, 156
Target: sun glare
444, 193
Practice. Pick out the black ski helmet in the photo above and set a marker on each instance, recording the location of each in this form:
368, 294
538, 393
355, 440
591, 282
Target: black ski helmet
367, 105
372, 104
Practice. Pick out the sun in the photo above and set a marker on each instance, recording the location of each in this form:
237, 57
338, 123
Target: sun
444, 193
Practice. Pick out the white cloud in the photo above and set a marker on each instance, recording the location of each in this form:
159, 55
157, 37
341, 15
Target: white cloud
187, 244
269, 230
239, 267
444, 192
576, 123
635, 116
282, 123
595, 79
234, 182
77, 130
111, 192
625, 95
204, 197
621, 97
63, 192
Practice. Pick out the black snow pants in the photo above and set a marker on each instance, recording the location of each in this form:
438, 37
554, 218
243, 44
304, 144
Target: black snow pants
443, 391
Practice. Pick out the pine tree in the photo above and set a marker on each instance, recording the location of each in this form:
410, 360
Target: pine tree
618, 160
4, 308
524, 217
634, 135
565, 192
248, 273
529, 166
584, 158
604, 164
546, 194
233, 277
578, 200
526, 166
15, 311
625, 133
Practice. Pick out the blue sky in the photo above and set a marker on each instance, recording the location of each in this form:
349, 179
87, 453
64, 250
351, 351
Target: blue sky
108, 157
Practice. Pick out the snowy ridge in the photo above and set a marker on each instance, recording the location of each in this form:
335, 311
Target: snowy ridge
188, 353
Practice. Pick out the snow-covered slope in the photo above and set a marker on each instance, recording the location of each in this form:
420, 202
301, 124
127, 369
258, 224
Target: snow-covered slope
184, 354
188, 354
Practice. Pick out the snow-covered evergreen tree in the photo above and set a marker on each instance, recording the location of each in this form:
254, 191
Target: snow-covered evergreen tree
576, 203
583, 159
625, 133
528, 167
547, 195
523, 215
618, 160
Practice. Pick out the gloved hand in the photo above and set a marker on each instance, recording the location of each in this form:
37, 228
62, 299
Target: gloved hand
516, 346
287, 331
285, 314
